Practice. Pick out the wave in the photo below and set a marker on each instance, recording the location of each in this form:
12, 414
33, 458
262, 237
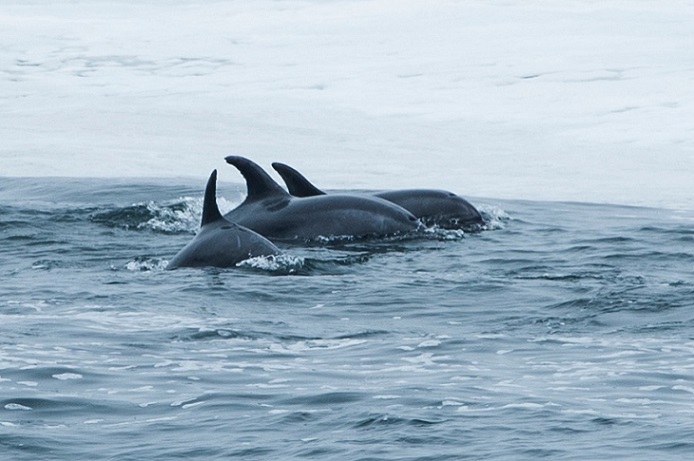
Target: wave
178, 216
145, 264
181, 215
282, 264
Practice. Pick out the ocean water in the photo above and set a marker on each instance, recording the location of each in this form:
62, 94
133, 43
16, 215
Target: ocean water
582, 101
563, 331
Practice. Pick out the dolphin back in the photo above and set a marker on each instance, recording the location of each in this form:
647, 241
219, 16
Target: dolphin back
220, 243
436, 207
223, 245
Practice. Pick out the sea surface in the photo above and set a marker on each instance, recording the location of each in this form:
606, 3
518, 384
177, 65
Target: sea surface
562, 331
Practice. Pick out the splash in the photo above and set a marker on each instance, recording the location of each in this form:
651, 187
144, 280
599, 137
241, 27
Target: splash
281, 264
494, 217
145, 264
181, 215
439, 233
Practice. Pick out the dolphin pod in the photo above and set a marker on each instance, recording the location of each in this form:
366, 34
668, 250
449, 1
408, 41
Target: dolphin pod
431, 206
270, 211
220, 243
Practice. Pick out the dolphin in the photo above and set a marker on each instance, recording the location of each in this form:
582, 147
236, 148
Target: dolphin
431, 206
269, 210
220, 243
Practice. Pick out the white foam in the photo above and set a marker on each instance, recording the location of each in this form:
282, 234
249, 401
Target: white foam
689, 389
146, 264
274, 263
67, 376
17, 407
169, 218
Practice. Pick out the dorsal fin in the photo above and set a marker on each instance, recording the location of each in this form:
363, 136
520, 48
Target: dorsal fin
259, 184
297, 184
210, 210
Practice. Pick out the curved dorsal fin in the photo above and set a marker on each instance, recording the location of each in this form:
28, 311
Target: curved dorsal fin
297, 184
259, 184
210, 210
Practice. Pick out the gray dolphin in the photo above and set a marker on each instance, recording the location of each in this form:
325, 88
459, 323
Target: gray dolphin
220, 243
431, 206
272, 212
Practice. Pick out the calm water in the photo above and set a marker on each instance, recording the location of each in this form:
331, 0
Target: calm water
565, 331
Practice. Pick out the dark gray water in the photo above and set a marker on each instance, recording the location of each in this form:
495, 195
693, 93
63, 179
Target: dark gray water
565, 331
